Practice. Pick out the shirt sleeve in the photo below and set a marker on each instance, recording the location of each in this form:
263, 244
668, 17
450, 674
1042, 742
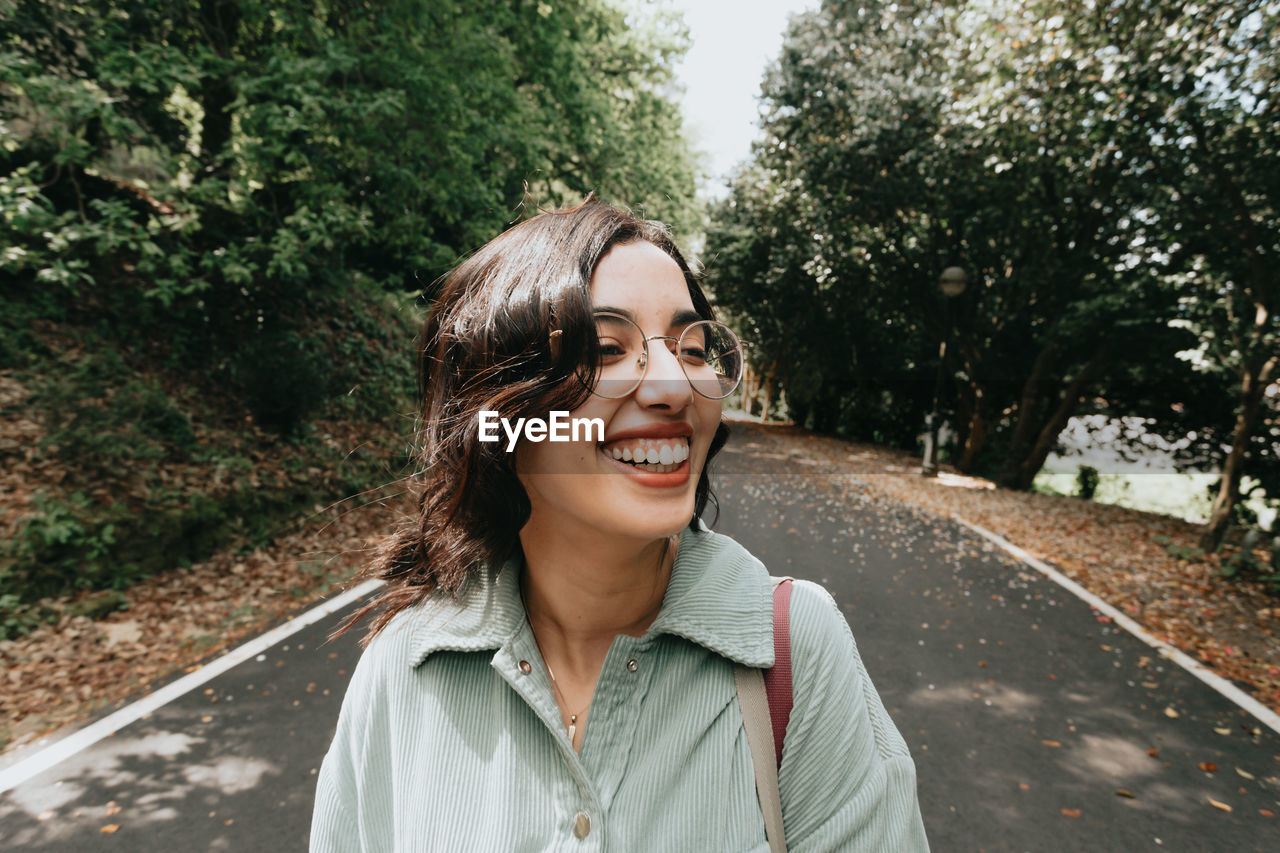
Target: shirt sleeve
847, 779
332, 828
339, 821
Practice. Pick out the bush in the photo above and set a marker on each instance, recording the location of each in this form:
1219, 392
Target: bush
72, 544
1244, 562
61, 547
1087, 479
100, 416
283, 379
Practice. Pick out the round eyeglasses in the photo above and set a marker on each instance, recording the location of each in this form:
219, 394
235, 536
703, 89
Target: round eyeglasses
708, 352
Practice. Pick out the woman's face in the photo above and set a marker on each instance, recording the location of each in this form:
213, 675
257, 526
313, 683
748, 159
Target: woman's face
580, 487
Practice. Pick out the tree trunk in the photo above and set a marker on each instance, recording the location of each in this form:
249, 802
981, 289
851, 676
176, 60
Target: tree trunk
748, 392
976, 437
1253, 384
971, 422
1026, 468
220, 21
1028, 414
766, 383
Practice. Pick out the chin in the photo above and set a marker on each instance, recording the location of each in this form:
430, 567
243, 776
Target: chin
644, 520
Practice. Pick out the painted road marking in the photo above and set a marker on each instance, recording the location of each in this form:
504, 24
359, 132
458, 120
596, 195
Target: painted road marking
1228, 690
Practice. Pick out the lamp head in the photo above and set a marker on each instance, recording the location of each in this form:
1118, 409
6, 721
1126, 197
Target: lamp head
953, 281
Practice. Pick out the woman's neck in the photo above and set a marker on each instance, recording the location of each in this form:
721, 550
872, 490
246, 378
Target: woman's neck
581, 592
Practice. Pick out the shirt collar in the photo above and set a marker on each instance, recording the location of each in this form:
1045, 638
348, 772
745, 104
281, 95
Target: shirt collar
719, 597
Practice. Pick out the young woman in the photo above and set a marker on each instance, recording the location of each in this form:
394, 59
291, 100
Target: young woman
552, 663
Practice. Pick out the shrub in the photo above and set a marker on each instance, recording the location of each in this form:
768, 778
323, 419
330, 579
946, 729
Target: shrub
283, 379
1087, 479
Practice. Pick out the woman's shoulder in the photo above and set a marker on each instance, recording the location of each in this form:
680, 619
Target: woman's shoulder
815, 618
828, 670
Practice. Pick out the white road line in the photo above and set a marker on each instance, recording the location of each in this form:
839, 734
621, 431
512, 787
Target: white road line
63, 749
1264, 714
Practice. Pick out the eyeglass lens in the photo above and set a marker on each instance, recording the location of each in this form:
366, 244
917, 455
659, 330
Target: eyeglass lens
709, 353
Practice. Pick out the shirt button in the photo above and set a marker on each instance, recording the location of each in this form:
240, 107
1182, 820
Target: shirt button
525, 667
581, 825
633, 665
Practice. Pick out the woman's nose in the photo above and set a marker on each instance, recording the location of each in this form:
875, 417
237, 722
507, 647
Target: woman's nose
664, 383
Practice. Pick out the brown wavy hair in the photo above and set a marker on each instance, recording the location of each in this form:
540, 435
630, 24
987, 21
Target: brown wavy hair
486, 345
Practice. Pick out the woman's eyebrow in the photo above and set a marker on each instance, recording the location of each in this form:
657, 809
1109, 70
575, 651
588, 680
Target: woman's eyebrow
683, 317
608, 309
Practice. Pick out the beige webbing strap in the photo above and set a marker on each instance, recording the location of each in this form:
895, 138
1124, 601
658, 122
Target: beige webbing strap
759, 728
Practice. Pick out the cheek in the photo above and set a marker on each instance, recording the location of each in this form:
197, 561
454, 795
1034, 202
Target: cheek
709, 414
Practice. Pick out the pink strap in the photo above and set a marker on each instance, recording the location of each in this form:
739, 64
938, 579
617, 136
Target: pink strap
777, 680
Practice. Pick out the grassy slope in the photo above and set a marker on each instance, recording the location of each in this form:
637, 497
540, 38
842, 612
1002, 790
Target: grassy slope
116, 465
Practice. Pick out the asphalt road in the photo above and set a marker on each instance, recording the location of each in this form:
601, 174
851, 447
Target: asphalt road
1026, 712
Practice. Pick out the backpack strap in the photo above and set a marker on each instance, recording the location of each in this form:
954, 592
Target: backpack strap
765, 697
754, 704
777, 680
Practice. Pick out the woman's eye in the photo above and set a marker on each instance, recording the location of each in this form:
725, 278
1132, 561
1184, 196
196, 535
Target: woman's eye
694, 354
611, 350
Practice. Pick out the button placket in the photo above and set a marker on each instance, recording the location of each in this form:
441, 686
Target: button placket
619, 698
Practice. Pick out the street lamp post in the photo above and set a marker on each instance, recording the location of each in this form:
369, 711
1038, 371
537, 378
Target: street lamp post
952, 283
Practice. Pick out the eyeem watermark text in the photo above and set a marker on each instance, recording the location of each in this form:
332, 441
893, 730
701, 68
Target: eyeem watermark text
558, 427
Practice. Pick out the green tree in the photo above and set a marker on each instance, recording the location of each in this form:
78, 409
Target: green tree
1192, 94
924, 135
220, 164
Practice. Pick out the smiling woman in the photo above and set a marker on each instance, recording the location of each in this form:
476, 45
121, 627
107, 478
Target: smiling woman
553, 655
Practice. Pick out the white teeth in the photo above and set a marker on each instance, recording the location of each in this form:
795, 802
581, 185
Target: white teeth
660, 459
657, 469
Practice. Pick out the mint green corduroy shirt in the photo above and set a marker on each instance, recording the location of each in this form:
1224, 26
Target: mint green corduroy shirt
450, 739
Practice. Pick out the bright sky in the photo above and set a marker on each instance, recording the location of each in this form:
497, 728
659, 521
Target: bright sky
733, 41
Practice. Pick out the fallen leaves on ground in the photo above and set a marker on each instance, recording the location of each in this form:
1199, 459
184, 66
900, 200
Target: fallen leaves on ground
64, 672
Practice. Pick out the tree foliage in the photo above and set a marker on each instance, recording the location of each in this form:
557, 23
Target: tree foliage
227, 164
902, 138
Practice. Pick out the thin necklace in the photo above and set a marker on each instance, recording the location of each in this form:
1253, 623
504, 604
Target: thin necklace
564, 703
572, 726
